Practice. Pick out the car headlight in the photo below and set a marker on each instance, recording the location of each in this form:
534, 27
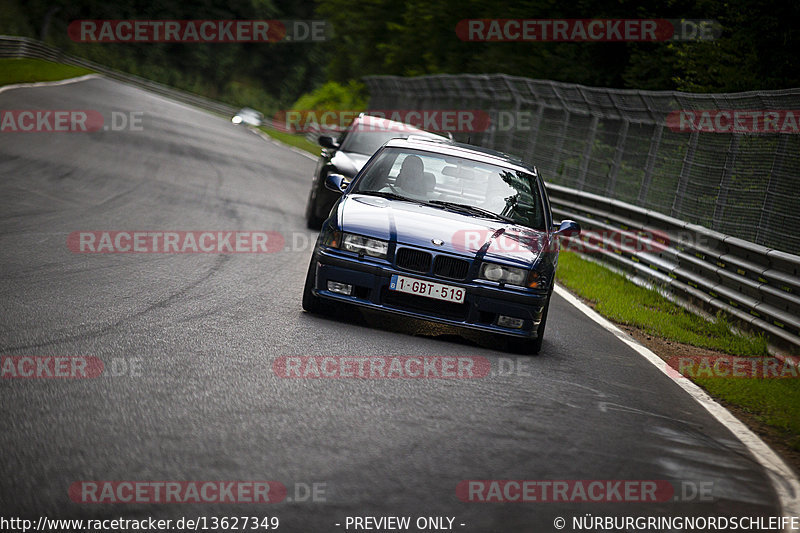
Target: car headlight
504, 274
236, 119
331, 237
364, 245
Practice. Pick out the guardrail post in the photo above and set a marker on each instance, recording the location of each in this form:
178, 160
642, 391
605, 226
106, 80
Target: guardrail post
587, 153
724, 184
560, 143
686, 168
655, 144
765, 218
507, 137
531, 146
622, 138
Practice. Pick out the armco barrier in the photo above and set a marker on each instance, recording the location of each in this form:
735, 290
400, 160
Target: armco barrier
23, 47
750, 283
614, 164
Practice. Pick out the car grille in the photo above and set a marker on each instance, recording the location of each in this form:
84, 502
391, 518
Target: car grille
450, 267
444, 266
414, 260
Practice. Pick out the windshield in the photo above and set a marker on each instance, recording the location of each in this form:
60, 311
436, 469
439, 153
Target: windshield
454, 183
368, 141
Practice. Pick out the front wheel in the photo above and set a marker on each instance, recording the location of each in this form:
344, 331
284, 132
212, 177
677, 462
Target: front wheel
313, 220
311, 303
531, 346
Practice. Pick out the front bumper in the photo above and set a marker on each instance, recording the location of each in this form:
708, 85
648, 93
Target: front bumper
483, 302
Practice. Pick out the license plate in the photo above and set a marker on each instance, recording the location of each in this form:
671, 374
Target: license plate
437, 291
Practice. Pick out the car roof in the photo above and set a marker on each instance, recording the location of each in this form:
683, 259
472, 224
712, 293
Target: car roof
467, 151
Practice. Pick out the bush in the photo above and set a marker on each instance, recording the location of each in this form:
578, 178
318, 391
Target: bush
334, 97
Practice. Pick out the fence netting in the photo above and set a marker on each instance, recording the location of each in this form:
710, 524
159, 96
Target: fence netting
728, 162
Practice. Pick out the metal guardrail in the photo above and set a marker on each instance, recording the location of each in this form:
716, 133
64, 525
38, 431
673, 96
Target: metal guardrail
756, 286
604, 150
23, 47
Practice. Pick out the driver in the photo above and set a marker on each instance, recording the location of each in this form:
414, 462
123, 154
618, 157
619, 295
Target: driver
411, 178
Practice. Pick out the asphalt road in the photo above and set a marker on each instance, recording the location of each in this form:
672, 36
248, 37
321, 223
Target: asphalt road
201, 332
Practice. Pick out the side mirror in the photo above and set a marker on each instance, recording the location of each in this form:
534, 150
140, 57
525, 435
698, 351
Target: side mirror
336, 183
326, 141
568, 228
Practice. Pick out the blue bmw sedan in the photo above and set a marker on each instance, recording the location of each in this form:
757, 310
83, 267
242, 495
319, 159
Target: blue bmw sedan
444, 232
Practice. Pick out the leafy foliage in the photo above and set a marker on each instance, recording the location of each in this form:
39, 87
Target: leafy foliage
757, 49
334, 96
265, 76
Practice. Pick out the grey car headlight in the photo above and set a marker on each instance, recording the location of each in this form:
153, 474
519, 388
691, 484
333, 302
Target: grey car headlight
365, 245
503, 274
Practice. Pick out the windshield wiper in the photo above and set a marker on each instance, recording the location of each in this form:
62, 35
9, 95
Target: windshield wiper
386, 194
471, 209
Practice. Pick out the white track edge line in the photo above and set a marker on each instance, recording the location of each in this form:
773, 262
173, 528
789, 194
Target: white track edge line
783, 478
49, 83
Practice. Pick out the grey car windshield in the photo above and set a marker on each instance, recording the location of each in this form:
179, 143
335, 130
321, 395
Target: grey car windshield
455, 183
365, 140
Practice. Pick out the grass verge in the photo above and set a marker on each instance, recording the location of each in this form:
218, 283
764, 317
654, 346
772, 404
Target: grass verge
773, 402
292, 139
33, 70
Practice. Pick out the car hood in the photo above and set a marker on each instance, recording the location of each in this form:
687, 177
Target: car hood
420, 225
349, 162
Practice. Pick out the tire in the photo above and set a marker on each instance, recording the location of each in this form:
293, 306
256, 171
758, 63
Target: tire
531, 346
313, 220
311, 303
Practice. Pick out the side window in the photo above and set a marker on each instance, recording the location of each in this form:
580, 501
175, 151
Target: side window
343, 136
377, 174
346, 132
